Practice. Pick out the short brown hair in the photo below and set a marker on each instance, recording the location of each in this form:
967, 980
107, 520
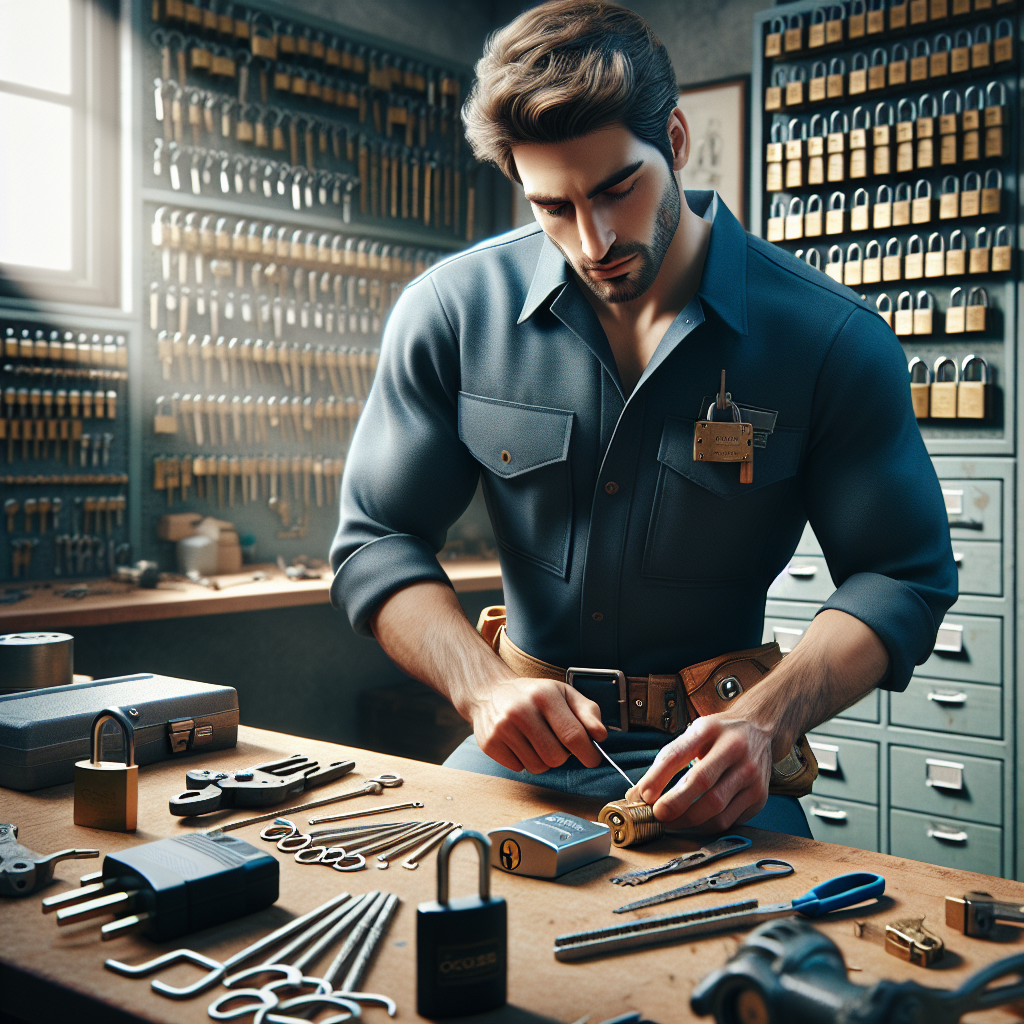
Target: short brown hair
564, 69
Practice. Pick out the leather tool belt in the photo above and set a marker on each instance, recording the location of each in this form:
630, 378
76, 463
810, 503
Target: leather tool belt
668, 703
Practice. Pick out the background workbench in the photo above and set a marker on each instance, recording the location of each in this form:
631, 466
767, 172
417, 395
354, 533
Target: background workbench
49, 974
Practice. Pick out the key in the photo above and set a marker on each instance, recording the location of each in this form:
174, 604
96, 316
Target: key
725, 846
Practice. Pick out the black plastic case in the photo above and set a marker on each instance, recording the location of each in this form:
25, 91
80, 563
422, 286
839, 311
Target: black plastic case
44, 732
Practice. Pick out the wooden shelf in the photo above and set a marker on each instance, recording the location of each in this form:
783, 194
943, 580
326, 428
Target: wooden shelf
45, 609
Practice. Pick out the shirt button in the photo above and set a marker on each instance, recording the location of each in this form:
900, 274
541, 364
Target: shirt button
506, 457
597, 616
611, 487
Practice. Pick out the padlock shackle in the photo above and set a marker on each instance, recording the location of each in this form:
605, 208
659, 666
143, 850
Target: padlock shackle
483, 848
95, 731
819, 69
939, 39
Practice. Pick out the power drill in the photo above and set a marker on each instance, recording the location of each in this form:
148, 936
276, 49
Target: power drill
789, 973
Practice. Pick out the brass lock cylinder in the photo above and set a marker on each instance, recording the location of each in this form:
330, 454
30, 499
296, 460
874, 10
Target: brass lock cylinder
107, 792
631, 824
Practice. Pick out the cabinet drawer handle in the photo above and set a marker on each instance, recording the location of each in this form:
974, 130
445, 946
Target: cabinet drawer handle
952, 699
821, 812
947, 837
802, 572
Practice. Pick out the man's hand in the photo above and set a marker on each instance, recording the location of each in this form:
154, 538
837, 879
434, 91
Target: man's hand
534, 724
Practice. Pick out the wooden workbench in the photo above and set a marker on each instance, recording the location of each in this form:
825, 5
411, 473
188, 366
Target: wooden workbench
45, 609
56, 975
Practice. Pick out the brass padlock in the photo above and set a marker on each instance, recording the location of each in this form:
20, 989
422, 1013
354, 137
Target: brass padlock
813, 259
956, 254
773, 158
856, 23
774, 91
981, 49
992, 191
860, 125
956, 312
970, 197
794, 153
813, 225
817, 84
835, 145
816, 29
776, 226
906, 114
834, 24
920, 60
107, 792
884, 306
935, 256
816, 150
773, 37
872, 270
795, 219
944, 392
859, 220
876, 17
854, 266
898, 64
921, 206
796, 81
972, 394
961, 7
858, 82
881, 212
892, 260
901, 205
920, 387
976, 316
773, 177
881, 137
949, 119
897, 15
924, 313
793, 37
938, 63
1002, 252
913, 264
979, 257
903, 318
878, 68
165, 422
949, 198
1002, 49
994, 118
834, 264
960, 55
927, 115
835, 216
918, 12
938, 10
835, 83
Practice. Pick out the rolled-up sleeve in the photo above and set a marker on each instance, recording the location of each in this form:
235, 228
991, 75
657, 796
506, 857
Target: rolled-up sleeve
408, 477
873, 499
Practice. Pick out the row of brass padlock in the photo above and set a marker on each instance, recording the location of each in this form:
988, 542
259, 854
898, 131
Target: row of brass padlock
833, 24
918, 61
937, 396
967, 312
915, 137
875, 265
809, 218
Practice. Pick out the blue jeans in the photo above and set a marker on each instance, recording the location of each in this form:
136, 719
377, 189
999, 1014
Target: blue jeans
633, 752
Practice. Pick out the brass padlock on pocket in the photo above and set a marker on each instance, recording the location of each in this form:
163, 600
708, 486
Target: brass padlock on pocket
956, 254
949, 198
835, 215
814, 224
892, 260
834, 264
107, 792
165, 422
978, 259
903, 317
972, 395
913, 263
795, 219
859, 219
944, 392
1002, 250
956, 312
858, 82
872, 270
878, 68
976, 315
1002, 48
920, 387
898, 65
935, 256
854, 266
938, 63
924, 313
883, 303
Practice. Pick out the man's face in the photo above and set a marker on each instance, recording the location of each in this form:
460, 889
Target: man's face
610, 204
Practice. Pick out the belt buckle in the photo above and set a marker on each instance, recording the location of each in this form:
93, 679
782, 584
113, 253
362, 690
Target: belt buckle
615, 676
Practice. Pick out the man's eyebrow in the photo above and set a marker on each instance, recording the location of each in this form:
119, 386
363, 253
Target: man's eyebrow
610, 182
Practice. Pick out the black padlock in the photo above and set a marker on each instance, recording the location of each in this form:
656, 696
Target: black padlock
461, 964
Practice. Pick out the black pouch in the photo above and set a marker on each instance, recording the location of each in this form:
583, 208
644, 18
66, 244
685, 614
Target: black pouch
44, 732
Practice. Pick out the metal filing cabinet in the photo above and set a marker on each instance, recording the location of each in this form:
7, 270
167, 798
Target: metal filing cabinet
929, 773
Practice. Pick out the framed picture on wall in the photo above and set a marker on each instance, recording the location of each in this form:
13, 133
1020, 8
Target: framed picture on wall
717, 113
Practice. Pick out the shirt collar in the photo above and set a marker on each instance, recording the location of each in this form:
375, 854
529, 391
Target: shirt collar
724, 266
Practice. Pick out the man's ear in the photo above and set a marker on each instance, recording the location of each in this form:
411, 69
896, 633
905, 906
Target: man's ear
679, 138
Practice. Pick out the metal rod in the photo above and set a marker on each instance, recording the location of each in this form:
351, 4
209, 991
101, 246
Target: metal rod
304, 938
363, 813
308, 806
443, 829
369, 947
413, 860
601, 751
354, 939
354, 912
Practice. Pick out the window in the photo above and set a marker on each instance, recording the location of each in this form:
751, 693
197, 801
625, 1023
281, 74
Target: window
59, 128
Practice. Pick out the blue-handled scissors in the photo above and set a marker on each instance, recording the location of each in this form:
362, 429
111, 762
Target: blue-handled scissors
835, 894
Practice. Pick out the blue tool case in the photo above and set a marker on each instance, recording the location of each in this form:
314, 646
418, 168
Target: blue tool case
44, 732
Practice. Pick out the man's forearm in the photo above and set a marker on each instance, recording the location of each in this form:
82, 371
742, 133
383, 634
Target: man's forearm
838, 660
424, 630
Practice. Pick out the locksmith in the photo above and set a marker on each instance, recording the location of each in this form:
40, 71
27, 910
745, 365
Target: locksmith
568, 365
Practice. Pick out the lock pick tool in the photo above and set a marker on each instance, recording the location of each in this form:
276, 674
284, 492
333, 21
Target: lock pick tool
834, 894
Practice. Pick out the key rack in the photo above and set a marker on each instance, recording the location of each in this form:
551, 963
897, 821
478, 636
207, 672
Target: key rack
885, 153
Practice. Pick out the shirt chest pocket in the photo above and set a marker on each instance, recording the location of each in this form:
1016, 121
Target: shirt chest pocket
705, 525
524, 452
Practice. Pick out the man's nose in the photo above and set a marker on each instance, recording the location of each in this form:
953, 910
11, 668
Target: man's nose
596, 236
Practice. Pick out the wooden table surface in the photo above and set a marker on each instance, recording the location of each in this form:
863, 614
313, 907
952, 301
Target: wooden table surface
49, 974
45, 609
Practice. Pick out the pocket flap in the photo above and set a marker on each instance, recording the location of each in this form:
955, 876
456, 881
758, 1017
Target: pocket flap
777, 461
511, 439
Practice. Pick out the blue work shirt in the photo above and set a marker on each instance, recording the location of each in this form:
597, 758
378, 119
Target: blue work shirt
617, 549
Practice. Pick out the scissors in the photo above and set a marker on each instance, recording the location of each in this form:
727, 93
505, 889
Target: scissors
730, 878
834, 894
724, 846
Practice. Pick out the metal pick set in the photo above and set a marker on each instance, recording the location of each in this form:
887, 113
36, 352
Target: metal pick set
346, 849
365, 918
